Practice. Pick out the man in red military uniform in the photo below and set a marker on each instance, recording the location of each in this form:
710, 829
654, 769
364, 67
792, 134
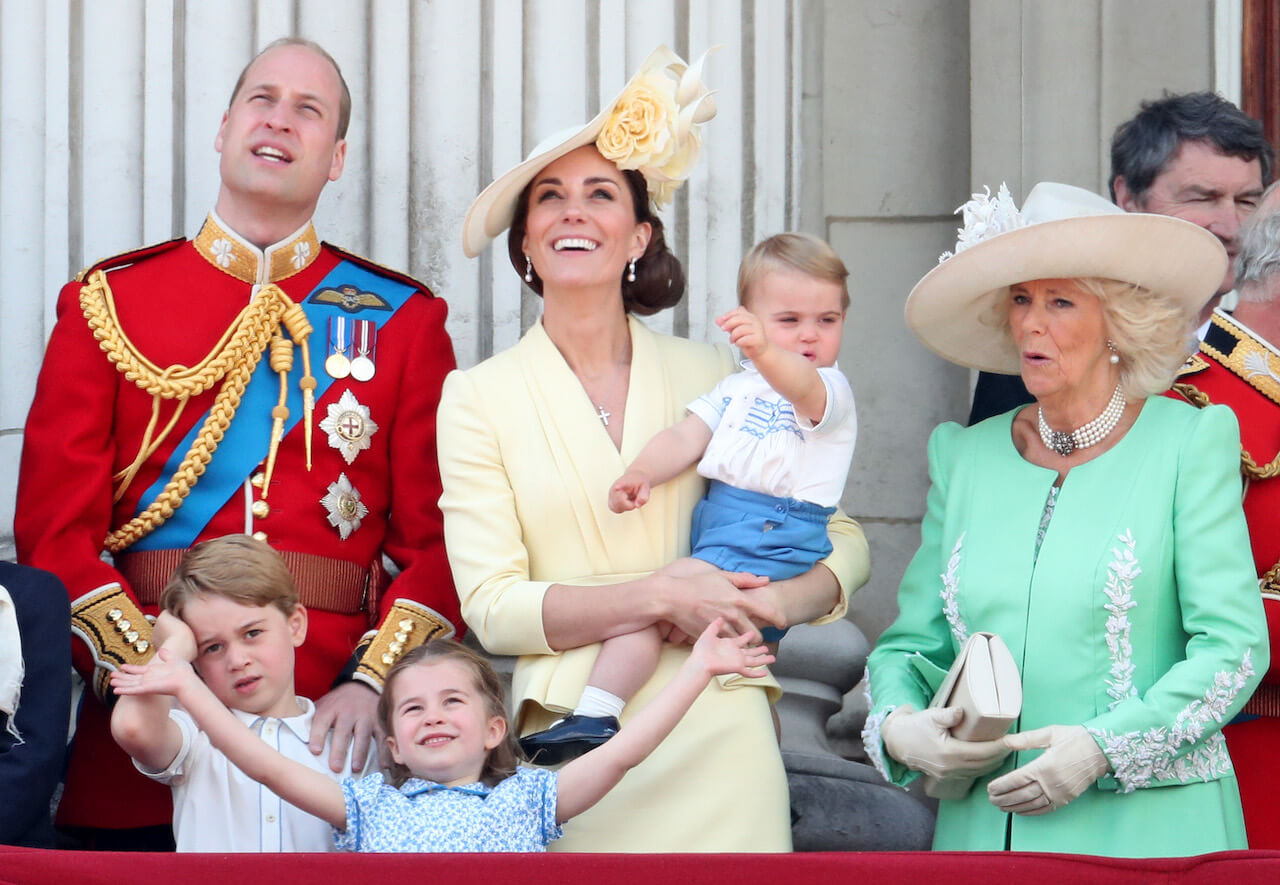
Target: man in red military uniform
250, 380
1238, 365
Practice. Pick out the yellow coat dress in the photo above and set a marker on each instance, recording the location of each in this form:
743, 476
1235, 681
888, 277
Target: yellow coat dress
526, 468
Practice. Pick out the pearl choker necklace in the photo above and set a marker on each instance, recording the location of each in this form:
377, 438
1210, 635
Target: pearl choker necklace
1082, 437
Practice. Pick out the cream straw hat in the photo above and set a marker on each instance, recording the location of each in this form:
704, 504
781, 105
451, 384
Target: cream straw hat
1062, 232
652, 126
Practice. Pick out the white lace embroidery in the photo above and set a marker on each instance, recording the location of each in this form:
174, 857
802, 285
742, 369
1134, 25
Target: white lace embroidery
1141, 758
950, 584
1119, 590
871, 741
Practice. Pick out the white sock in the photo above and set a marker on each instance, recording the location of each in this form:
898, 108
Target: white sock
598, 702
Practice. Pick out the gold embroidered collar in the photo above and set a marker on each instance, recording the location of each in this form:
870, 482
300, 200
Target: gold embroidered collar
233, 254
1237, 348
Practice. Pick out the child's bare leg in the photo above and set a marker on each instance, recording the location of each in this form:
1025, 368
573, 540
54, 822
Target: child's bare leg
626, 662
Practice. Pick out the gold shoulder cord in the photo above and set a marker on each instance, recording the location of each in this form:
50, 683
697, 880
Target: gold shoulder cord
1248, 466
232, 360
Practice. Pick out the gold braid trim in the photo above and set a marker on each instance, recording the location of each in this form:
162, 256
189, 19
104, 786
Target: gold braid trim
1193, 394
232, 360
1269, 582
1248, 466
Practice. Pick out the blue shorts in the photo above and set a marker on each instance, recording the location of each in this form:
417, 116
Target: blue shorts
778, 538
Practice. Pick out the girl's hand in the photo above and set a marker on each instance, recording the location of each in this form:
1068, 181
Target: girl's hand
719, 655
630, 492
167, 673
172, 632
746, 332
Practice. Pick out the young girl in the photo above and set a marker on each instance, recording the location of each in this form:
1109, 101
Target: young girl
776, 441
455, 784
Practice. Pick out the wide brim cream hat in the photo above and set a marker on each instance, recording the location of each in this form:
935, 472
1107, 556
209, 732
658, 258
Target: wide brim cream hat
1062, 232
651, 126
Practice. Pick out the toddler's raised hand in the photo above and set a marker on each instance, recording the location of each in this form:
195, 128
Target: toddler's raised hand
630, 492
745, 331
721, 655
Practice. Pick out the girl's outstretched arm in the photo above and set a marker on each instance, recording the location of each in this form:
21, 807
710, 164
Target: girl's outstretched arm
585, 780
168, 674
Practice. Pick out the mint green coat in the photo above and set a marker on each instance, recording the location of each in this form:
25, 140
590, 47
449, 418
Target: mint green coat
1141, 620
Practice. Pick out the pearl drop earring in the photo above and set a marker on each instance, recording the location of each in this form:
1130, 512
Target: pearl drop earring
631, 273
528, 269
1115, 356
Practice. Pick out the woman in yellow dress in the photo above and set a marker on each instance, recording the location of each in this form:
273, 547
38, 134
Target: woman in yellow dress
531, 439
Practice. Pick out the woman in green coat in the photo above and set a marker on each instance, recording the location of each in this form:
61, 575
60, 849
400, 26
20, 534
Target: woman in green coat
1097, 531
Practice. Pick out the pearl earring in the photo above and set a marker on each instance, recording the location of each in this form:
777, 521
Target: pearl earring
528, 269
1115, 356
631, 273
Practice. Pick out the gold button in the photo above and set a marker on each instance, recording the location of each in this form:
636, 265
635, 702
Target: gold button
258, 480
261, 509
406, 625
260, 536
131, 636
123, 625
395, 648
388, 659
141, 646
115, 614
401, 636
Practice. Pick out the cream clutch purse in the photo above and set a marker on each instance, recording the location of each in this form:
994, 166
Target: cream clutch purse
984, 682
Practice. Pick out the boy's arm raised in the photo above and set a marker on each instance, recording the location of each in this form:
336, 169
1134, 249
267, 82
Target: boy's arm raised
790, 374
140, 724
585, 780
168, 674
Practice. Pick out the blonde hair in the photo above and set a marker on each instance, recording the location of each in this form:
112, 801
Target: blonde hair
500, 762
1151, 331
236, 567
796, 251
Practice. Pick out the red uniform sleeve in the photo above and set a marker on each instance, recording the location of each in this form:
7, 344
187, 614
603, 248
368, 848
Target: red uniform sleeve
64, 503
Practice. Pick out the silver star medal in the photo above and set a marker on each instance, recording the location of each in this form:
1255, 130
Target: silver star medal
349, 426
344, 506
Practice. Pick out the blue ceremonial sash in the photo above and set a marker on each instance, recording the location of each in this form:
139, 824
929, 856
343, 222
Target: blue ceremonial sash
248, 439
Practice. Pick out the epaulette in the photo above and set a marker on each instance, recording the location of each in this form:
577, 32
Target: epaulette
133, 256
1194, 365
382, 270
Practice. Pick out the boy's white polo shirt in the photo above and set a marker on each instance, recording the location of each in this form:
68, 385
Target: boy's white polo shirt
217, 807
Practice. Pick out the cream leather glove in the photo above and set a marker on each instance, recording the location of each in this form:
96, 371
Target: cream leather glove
922, 741
1071, 762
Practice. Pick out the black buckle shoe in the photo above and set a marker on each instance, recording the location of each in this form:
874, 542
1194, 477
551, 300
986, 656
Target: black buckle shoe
568, 738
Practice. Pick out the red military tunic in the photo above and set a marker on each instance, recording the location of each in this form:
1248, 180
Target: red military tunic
1237, 368
174, 303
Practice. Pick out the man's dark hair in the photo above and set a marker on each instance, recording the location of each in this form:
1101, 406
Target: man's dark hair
1142, 147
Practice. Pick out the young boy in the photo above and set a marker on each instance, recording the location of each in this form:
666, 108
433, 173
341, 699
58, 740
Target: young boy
238, 599
776, 440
